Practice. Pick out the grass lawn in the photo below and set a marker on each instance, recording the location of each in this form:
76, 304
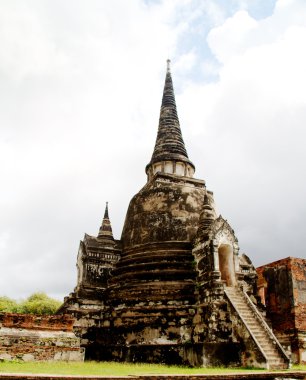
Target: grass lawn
110, 368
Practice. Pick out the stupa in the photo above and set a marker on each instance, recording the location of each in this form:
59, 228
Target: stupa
174, 289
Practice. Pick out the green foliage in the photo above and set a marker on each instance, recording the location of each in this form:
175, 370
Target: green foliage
8, 305
37, 303
40, 303
39, 296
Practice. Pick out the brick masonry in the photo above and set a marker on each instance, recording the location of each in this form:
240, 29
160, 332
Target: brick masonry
282, 288
29, 337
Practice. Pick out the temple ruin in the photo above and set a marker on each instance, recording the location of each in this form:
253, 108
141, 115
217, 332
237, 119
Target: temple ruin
174, 289
282, 289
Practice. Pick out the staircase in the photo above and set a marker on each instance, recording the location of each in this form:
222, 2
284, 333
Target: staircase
262, 335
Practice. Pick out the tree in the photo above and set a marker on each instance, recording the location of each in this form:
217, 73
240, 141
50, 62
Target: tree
8, 305
38, 303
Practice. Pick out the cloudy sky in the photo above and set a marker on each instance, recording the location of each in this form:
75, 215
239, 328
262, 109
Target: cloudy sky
80, 91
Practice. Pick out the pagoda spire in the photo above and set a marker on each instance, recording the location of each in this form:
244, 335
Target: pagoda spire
169, 147
105, 231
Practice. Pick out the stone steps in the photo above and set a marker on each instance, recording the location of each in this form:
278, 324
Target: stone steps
257, 327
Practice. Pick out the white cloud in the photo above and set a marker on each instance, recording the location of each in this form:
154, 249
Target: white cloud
68, 126
253, 118
79, 102
26, 48
185, 62
80, 92
231, 37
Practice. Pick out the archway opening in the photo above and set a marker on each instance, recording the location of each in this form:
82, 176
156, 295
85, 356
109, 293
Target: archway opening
226, 264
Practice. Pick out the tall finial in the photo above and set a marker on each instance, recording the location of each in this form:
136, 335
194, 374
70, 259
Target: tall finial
106, 211
168, 65
105, 231
169, 145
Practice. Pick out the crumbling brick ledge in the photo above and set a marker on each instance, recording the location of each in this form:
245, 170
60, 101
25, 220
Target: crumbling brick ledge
35, 337
259, 375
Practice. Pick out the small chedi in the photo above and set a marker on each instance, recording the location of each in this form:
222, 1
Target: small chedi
174, 288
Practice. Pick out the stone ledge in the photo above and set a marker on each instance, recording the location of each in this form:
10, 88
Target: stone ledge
259, 375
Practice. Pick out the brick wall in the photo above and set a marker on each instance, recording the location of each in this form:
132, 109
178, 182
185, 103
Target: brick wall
29, 337
299, 292
282, 288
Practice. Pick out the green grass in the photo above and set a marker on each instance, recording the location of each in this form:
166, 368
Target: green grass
102, 368
109, 368
299, 367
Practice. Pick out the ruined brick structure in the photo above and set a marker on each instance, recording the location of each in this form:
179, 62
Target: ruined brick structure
174, 289
31, 337
282, 288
